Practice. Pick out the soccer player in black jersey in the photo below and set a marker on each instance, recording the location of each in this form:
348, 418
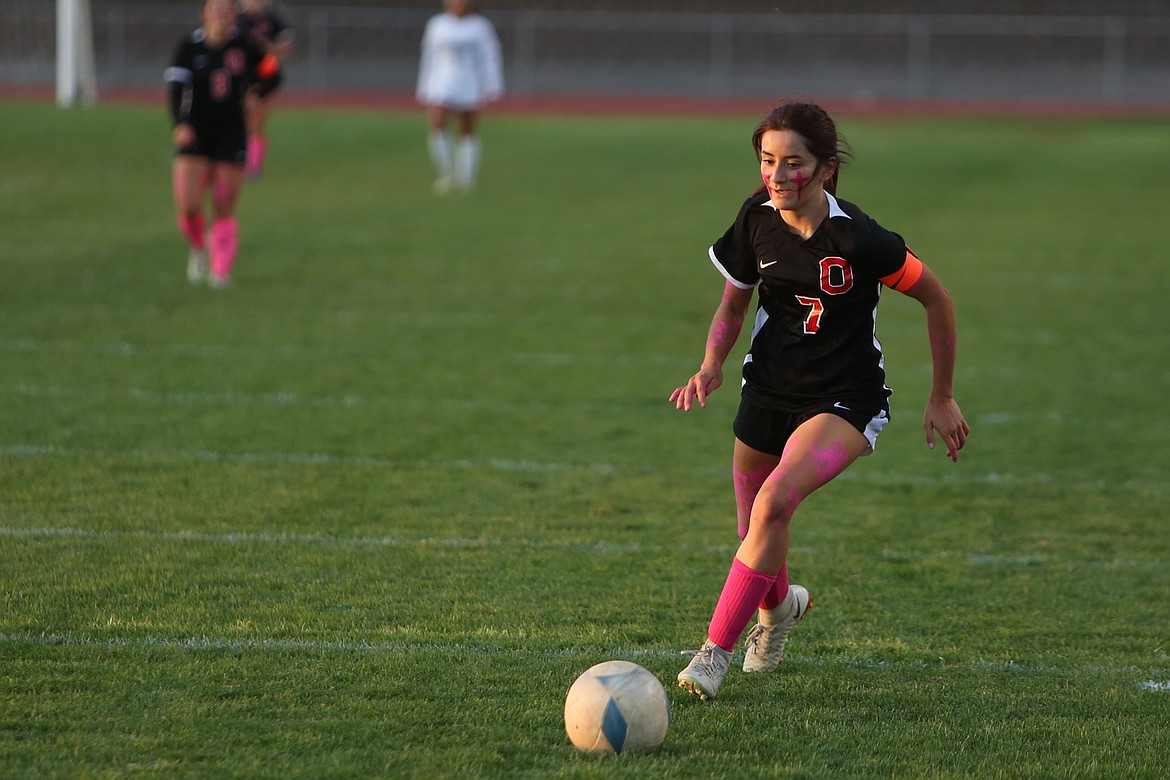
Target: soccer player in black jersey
813, 396
209, 75
259, 20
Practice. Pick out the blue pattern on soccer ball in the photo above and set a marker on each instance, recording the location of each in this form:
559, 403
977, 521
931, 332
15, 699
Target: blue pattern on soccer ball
614, 726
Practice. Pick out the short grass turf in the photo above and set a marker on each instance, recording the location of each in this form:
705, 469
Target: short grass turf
371, 510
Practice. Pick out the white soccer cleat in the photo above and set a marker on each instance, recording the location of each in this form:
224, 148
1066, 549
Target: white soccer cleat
764, 647
196, 266
705, 673
217, 282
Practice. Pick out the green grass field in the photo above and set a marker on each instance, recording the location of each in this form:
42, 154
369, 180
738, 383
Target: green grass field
370, 511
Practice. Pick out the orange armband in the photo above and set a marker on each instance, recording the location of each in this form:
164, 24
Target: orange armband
907, 276
268, 66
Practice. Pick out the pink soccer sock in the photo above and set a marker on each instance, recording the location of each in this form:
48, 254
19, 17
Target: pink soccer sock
257, 148
225, 240
742, 593
192, 228
779, 590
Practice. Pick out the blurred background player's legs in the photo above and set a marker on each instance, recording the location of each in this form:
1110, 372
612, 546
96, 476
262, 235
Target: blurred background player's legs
442, 155
467, 155
259, 107
190, 176
224, 229
467, 163
441, 150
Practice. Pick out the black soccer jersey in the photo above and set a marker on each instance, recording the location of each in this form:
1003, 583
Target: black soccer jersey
208, 85
814, 337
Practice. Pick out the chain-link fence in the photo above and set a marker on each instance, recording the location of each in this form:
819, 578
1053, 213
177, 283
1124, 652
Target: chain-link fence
1020, 57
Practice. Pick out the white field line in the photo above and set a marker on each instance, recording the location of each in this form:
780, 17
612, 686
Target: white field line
238, 400
1155, 685
994, 419
261, 644
172, 398
867, 476
218, 351
300, 458
129, 349
598, 548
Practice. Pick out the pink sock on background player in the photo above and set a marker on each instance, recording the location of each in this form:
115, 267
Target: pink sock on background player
193, 229
742, 593
225, 241
257, 149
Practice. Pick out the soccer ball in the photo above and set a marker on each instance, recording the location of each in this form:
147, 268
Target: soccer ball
617, 707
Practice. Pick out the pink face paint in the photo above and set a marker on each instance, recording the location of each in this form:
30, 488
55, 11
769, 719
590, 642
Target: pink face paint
800, 179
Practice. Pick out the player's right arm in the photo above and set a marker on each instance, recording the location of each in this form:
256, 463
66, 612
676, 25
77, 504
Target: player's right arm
183, 135
282, 38
721, 337
426, 59
179, 77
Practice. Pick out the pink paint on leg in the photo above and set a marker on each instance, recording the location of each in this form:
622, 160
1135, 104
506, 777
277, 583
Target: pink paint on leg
193, 229
832, 460
257, 149
226, 190
747, 486
224, 244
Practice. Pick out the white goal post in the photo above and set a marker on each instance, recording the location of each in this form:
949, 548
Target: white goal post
76, 74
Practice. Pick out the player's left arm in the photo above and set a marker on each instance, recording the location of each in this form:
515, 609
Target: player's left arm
266, 63
942, 412
491, 64
283, 41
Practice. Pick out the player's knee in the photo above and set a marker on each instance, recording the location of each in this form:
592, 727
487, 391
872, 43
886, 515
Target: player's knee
775, 504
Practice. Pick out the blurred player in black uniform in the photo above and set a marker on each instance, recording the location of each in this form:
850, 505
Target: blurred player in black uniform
210, 74
813, 397
259, 20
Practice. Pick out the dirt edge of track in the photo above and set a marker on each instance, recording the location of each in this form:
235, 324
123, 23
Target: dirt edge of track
638, 105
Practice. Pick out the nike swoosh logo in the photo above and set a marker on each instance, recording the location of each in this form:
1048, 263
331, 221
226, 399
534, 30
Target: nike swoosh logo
840, 405
765, 265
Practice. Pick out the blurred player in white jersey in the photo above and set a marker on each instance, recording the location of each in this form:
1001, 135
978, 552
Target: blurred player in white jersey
459, 71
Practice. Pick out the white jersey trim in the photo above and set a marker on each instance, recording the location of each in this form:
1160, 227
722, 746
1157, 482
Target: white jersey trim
834, 207
177, 75
726, 275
